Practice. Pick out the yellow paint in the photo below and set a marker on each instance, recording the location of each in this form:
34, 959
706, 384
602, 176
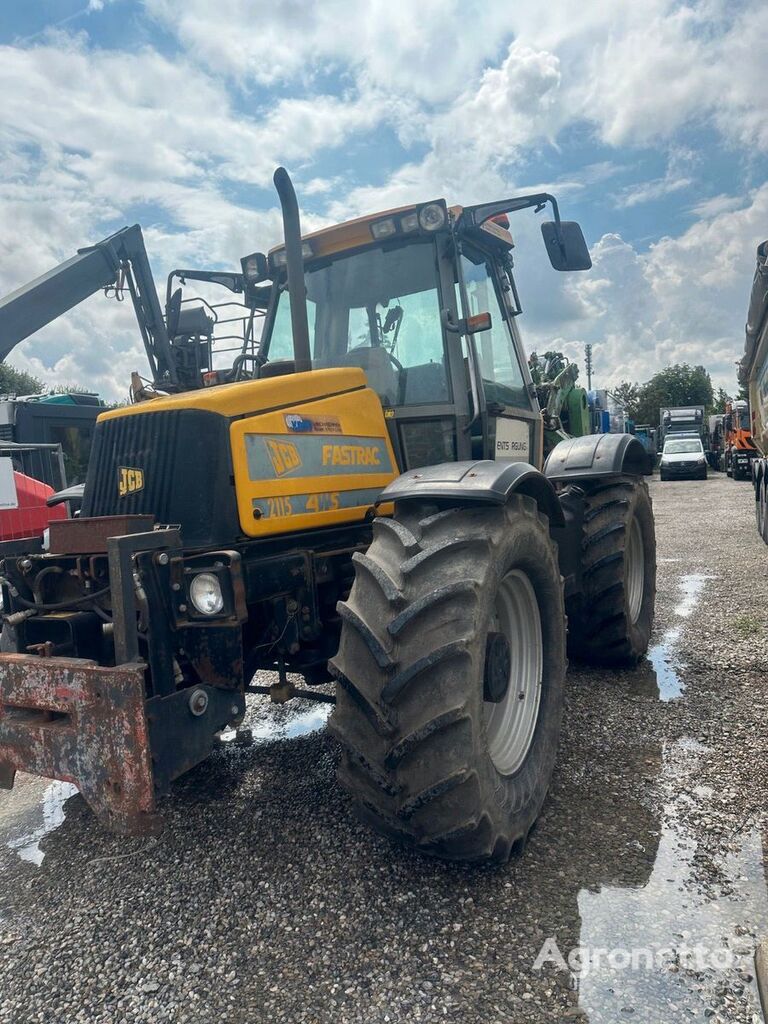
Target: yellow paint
334, 398
360, 416
252, 395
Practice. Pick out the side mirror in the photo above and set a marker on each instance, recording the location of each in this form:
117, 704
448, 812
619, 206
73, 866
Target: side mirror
565, 244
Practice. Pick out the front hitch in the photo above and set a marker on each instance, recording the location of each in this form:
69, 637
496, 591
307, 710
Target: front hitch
71, 719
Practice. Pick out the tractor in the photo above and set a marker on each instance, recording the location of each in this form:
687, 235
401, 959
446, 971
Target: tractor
359, 495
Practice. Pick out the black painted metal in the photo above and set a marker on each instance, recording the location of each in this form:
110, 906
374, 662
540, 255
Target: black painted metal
121, 552
486, 482
596, 455
295, 266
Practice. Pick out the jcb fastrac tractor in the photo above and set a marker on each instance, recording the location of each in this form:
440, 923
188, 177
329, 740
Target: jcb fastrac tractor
362, 493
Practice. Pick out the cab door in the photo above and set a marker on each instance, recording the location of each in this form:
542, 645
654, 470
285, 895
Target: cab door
508, 424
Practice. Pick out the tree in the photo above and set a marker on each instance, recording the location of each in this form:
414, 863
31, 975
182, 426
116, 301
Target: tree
677, 385
627, 395
721, 398
17, 382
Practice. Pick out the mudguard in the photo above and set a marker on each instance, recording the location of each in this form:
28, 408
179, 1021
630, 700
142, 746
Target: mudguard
484, 481
597, 455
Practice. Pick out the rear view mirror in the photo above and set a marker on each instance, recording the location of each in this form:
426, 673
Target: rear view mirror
565, 244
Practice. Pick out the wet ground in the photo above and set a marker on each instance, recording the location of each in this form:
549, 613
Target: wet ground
640, 897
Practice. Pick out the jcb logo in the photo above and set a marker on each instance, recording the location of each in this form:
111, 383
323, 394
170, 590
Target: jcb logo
284, 456
129, 480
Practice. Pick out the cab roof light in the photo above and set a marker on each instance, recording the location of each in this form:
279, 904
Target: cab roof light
279, 257
410, 222
383, 228
432, 217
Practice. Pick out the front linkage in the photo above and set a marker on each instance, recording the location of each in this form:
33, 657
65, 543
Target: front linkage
109, 678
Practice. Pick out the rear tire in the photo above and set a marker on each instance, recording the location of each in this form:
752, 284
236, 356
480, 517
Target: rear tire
610, 622
427, 758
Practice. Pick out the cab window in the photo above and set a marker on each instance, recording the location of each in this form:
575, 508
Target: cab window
378, 309
500, 368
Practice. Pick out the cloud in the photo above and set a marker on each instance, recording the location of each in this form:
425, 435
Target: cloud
474, 92
685, 300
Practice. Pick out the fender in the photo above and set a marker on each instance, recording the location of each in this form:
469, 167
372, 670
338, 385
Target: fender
597, 455
485, 482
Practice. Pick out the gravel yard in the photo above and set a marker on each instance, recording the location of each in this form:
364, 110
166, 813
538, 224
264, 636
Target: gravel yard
264, 900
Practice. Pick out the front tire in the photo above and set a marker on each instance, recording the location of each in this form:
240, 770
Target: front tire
451, 670
610, 621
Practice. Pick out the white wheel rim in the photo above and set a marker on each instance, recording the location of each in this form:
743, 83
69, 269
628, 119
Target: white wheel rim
511, 723
634, 571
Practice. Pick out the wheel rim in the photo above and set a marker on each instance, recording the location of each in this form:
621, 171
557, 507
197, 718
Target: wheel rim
634, 571
511, 723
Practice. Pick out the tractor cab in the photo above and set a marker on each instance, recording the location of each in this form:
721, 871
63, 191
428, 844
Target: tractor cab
423, 300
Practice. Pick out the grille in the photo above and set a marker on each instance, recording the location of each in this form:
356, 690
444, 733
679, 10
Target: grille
148, 443
184, 460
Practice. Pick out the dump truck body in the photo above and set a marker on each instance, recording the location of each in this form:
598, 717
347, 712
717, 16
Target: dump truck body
753, 375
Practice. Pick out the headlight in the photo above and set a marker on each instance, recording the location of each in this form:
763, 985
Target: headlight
205, 594
431, 217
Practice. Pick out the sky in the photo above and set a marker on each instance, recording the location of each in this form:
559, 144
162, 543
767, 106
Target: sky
647, 120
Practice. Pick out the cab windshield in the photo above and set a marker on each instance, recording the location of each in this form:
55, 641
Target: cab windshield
683, 448
378, 309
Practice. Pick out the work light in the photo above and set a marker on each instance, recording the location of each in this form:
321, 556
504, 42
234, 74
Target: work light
432, 217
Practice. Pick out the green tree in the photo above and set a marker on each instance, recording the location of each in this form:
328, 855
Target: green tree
17, 382
721, 398
627, 395
677, 385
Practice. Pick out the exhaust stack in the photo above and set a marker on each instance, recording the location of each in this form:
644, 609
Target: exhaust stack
295, 266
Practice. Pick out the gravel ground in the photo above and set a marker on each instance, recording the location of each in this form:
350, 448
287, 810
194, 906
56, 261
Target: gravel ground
264, 900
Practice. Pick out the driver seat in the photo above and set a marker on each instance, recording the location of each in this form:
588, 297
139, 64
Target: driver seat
378, 368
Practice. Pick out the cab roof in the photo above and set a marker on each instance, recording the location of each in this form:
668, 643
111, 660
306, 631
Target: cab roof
352, 234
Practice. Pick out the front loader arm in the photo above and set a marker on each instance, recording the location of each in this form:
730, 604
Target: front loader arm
98, 266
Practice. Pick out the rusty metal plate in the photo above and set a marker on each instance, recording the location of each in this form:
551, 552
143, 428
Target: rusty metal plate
71, 719
85, 536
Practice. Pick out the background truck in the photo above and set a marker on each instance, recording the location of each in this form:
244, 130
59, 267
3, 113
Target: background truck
359, 492
716, 447
64, 420
687, 421
753, 375
739, 448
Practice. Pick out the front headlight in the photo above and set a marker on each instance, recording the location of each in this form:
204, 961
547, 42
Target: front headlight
205, 594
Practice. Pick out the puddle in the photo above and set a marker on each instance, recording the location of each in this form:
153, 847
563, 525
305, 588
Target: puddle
661, 665
288, 727
670, 949
274, 722
27, 845
692, 587
660, 655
